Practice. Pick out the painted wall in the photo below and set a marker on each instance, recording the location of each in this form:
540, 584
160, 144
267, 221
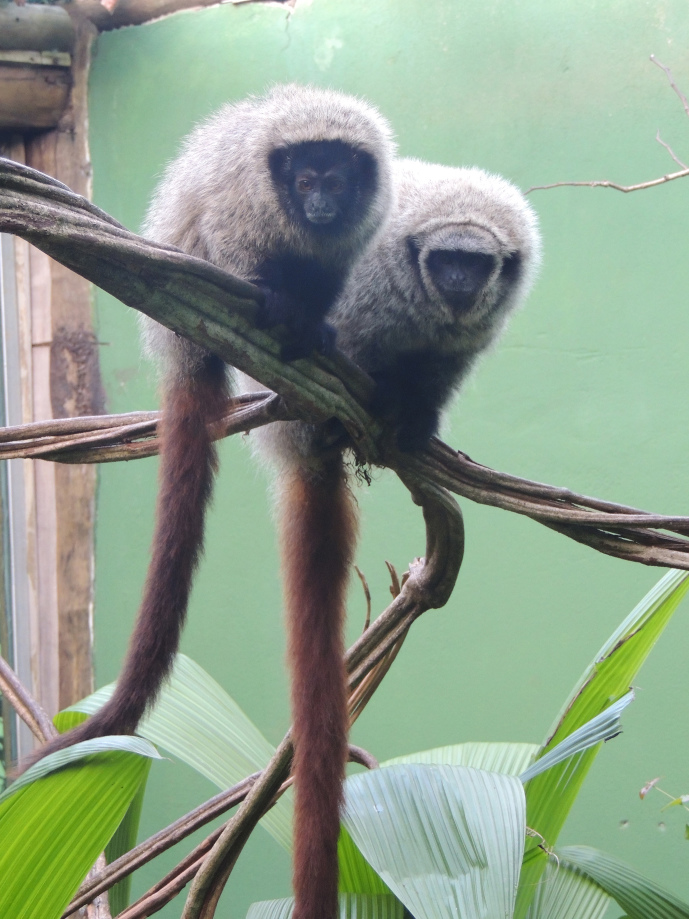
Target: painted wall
588, 388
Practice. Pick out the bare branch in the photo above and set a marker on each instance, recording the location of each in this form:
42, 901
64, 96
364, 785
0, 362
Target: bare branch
670, 177
216, 310
160, 842
670, 151
24, 704
363, 757
671, 80
604, 183
114, 438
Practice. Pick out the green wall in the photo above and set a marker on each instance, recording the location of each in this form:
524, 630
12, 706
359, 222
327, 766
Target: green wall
588, 388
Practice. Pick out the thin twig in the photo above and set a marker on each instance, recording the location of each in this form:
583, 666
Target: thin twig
670, 177
24, 704
395, 585
670, 151
367, 595
668, 73
604, 183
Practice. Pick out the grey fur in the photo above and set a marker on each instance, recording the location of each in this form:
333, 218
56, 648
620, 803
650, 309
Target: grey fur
389, 307
217, 199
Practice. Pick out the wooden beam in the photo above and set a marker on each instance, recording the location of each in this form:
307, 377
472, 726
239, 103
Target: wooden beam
119, 13
35, 27
32, 96
36, 43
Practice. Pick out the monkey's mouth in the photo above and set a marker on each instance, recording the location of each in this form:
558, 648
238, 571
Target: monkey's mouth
321, 218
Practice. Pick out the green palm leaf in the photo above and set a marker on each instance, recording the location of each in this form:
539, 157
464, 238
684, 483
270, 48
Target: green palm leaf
566, 894
639, 897
198, 722
352, 906
550, 795
55, 821
447, 840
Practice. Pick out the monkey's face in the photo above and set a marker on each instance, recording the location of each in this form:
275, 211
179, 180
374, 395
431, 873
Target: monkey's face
326, 187
466, 268
459, 276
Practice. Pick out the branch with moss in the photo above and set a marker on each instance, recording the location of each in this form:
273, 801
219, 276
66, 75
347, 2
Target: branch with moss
218, 311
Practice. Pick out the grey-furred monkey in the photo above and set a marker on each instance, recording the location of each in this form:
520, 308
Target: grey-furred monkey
285, 190
456, 257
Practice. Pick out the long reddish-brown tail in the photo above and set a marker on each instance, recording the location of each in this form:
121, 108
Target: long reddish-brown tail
188, 462
318, 536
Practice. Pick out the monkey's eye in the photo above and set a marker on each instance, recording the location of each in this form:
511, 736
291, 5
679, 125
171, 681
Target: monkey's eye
335, 185
304, 184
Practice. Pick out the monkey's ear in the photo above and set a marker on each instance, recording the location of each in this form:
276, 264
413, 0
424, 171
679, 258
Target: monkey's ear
279, 163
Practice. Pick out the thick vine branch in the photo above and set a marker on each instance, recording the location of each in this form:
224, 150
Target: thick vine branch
217, 311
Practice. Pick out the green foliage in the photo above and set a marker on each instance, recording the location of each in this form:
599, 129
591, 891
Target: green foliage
442, 832
55, 821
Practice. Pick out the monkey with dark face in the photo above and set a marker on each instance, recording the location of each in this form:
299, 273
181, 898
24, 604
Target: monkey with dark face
285, 190
456, 257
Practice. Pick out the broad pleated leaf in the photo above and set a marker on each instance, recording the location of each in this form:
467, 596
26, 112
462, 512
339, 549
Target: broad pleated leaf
352, 906
566, 894
508, 758
80, 751
124, 839
355, 874
639, 897
53, 830
125, 836
198, 722
603, 727
550, 796
447, 840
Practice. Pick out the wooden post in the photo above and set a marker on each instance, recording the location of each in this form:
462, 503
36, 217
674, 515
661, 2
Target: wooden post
66, 383
60, 377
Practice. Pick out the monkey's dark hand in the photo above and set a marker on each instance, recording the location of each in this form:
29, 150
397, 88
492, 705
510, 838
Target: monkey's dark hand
279, 308
305, 334
305, 339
